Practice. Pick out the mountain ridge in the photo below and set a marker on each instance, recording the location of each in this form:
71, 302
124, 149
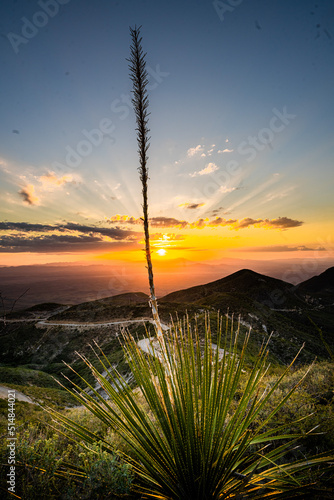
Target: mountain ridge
263, 288
265, 304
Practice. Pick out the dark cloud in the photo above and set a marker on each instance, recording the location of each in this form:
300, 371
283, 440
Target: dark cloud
192, 206
48, 240
114, 233
28, 195
219, 221
247, 222
25, 226
279, 223
59, 243
283, 223
73, 237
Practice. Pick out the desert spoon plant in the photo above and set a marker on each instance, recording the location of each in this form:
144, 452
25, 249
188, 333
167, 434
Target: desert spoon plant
139, 77
215, 433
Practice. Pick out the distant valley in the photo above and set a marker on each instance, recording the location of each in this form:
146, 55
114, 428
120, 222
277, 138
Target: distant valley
77, 283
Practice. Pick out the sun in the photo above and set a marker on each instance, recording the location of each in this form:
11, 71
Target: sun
161, 252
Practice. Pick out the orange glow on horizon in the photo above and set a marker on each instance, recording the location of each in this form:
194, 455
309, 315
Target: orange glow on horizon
204, 245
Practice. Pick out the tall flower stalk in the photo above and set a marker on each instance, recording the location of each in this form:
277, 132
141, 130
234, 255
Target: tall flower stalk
140, 101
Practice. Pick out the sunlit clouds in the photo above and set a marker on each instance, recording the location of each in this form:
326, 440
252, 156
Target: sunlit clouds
28, 195
71, 236
279, 194
36, 189
241, 149
194, 151
281, 223
213, 203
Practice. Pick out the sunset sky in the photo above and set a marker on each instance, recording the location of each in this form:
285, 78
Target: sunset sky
242, 130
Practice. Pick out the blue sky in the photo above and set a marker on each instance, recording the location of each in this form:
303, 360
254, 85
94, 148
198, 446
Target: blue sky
242, 122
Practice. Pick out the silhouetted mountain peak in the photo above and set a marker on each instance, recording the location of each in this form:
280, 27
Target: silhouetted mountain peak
257, 286
323, 283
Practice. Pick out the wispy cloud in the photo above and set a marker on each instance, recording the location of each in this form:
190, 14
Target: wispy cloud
51, 181
279, 195
225, 189
211, 167
259, 188
226, 150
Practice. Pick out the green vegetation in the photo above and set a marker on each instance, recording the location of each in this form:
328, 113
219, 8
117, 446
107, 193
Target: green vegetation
41, 448
26, 377
203, 425
44, 462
